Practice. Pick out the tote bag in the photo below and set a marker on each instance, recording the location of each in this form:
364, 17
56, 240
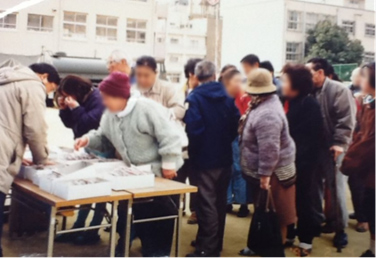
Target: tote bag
264, 236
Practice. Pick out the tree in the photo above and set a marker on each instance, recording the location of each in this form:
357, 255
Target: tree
332, 42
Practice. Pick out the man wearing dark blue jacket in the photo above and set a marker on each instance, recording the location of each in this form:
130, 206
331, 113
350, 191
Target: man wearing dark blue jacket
211, 124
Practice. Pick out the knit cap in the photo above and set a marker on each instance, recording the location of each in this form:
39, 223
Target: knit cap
116, 85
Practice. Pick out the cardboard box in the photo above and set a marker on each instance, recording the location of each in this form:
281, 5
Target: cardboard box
123, 178
73, 189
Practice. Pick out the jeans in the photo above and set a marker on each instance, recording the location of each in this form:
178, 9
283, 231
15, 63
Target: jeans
99, 211
211, 209
237, 189
2, 204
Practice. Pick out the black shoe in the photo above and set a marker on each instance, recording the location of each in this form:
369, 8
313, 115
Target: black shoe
368, 253
246, 252
352, 215
328, 228
202, 254
89, 237
229, 208
193, 243
243, 211
289, 243
340, 240
67, 237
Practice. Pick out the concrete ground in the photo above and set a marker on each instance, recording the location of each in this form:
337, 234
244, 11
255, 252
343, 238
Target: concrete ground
235, 235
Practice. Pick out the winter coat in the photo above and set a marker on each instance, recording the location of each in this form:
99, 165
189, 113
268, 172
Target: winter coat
307, 130
22, 121
360, 157
338, 110
141, 134
266, 144
211, 125
85, 117
167, 95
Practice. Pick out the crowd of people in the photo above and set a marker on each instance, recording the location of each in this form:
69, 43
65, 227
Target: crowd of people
298, 137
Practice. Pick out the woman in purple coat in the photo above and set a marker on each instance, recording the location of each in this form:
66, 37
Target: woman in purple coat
81, 110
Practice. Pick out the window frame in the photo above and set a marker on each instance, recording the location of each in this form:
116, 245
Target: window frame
297, 22
3, 24
137, 31
107, 27
368, 57
369, 29
40, 28
171, 76
75, 35
345, 25
297, 53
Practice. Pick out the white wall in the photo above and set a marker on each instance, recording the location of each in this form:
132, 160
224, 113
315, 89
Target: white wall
252, 26
24, 42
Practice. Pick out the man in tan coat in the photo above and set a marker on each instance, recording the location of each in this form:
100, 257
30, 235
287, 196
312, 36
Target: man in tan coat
22, 106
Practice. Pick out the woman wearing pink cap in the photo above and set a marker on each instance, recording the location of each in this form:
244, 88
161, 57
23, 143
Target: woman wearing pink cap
139, 130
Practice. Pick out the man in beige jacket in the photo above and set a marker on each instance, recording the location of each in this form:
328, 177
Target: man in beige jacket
22, 106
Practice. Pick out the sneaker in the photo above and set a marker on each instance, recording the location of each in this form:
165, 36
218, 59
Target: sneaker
243, 211
361, 227
192, 219
229, 208
340, 240
368, 253
89, 237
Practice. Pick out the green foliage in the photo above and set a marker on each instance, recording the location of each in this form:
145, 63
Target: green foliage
332, 42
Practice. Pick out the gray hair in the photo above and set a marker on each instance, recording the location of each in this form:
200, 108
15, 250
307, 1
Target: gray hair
119, 55
205, 70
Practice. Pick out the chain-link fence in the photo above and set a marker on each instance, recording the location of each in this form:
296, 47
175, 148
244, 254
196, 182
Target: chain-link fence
344, 70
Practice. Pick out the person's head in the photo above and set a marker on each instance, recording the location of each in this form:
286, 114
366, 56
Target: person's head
356, 77
249, 63
76, 87
260, 82
319, 68
205, 71
268, 66
296, 81
232, 80
48, 75
189, 71
115, 90
332, 74
367, 82
146, 72
119, 61
225, 69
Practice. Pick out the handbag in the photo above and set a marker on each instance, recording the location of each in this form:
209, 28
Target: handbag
264, 236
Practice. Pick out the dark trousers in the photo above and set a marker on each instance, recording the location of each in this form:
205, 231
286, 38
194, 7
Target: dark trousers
2, 204
99, 211
155, 236
309, 205
369, 208
357, 188
211, 209
185, 172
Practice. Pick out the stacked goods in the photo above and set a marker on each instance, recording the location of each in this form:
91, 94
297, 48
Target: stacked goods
72, 189
123, 177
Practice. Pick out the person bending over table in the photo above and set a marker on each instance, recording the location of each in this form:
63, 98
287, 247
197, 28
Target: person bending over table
81, 110
139, 130
22, 105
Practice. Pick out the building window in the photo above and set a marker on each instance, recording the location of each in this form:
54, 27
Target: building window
74, 25
294, 20
194, 43
9, 21
174, 59
38, 22
313, 18
293, 51
160, 40
174, 41
136, 31
349, 27
369, 57
106, 28
370, 30
174, 77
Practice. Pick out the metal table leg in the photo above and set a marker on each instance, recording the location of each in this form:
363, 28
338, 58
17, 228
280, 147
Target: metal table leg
179, 225
113, 228
128, 228
51, 232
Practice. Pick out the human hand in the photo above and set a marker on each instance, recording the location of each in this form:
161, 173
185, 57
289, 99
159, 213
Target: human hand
265, 182
61, 102
337, 151
169, 173
81, 142
71, 102
27, 162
